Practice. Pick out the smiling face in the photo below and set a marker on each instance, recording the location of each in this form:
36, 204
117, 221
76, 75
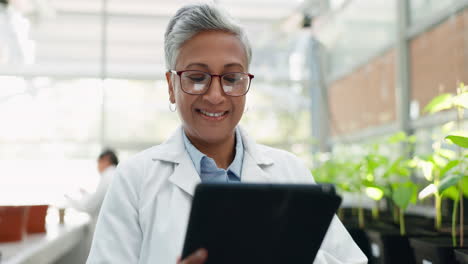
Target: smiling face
212, 117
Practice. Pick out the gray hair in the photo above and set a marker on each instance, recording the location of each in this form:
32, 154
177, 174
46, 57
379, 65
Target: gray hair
195, 18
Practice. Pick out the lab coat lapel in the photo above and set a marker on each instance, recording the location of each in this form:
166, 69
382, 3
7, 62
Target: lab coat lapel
255, 161
251, 171
186, 177
173, 151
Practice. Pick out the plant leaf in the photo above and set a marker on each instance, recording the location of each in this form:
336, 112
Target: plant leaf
413, 163
463, 88
370, 164
398, 167
464, 183
447, 127
461, 100
397, 137
448, 167
403, 171
429, 190
446, 153
404, 193
458, 140
449, 181
439, 103
439, 161
374, 193
451, 193
427, 168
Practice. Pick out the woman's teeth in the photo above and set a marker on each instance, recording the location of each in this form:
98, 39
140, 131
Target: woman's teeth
212, 114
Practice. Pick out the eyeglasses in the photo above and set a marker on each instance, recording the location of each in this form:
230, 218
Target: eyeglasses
198, 82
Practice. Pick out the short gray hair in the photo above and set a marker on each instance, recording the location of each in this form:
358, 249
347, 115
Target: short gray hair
195, 18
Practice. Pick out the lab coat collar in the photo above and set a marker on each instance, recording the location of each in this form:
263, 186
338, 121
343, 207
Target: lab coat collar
251, 148
185, 175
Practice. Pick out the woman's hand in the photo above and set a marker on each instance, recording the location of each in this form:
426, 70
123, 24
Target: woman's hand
198, 257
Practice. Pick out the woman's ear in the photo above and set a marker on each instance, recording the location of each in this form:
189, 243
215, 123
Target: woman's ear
170, 86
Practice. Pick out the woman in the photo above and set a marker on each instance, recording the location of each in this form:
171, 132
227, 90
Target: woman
145, 213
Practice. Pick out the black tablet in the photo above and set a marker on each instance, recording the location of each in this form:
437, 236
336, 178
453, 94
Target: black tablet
260, 223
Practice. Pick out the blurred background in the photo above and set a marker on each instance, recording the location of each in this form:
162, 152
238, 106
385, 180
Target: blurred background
331, 78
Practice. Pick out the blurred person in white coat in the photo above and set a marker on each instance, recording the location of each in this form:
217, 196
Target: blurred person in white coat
145, 214
15, 45
91, 202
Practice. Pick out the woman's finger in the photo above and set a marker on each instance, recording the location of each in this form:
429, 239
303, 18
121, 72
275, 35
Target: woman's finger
198, 257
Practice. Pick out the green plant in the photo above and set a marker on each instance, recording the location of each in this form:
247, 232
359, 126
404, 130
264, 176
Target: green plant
434, 168
384, 175
343, 173
402, 191
371, 164
381, 175
328, 170
453, 186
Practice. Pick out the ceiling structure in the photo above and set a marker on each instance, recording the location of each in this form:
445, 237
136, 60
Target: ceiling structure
68, 34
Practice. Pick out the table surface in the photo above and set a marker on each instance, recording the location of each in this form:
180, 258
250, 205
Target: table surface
47, 247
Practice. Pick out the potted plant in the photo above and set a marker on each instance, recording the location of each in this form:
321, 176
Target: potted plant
461, 255
336, 171
345, 175
371, 163
456, 185
451, 182
392, 180
440, 249
434, 168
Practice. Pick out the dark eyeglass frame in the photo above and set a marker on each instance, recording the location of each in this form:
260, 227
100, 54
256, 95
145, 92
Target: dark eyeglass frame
179, 73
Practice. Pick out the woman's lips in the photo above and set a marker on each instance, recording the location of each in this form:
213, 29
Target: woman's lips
212, 115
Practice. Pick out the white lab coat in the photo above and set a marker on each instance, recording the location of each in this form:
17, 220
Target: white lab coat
16, 47
92, 203
145, 213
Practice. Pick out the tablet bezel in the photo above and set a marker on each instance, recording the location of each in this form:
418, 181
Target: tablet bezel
327, 202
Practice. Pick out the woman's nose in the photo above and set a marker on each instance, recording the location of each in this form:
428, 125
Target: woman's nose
215, 94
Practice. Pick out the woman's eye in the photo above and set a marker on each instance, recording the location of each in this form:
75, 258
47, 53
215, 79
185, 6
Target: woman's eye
197, 77
231, 79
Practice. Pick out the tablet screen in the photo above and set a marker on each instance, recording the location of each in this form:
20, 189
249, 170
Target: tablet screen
260, 223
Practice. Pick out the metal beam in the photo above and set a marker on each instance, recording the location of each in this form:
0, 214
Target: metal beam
365, 134
86, 70
403, 95
127, 145
318, 95
103, 67
437, 119
423, 122
152, 16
